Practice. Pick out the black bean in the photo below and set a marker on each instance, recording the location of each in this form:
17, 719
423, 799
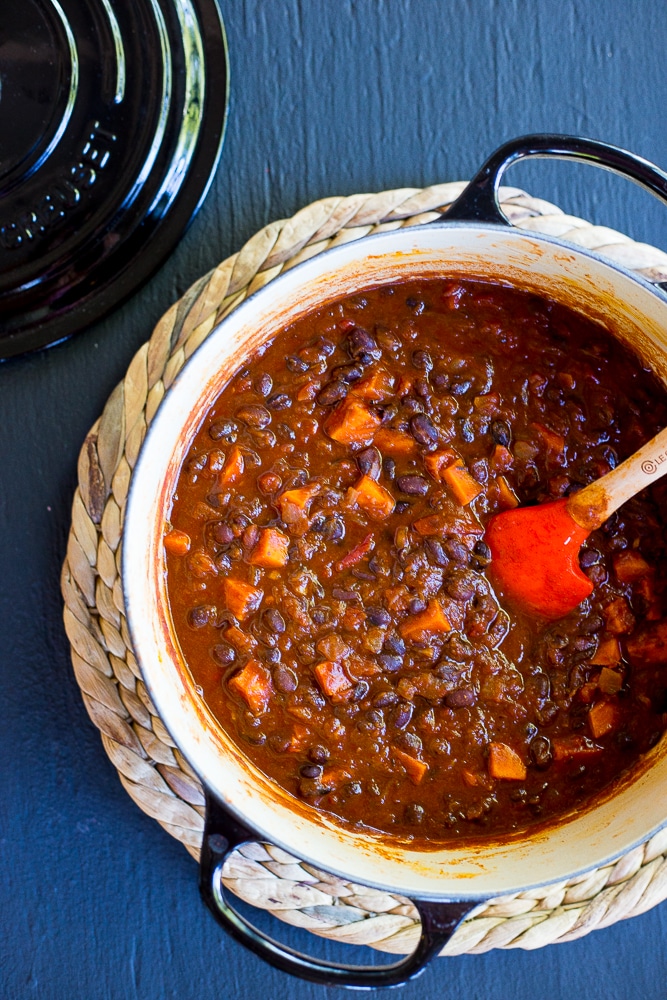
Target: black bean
286, 432
483, 552
422, 360
255, 416
401, 715
589, 557
401, 507
385, 698
334, 529
466, 431
456, 550
435, 552
390, 663
339, 594
416, 605
222, 533
415, 486
332, 393
370, 462
547, 713
412, 405
285, 679
223, 654
318, 754
500, 432
296, 364
361, 342
460, 584
440, 381
360, 691
264, 384
394, 644
224, 429
274, 620
347, 373
541, 752
310, 770
272, 656
423, 430
279, 401
459, 386
462, 698
594, 623
378, 616
201, 616
414, 813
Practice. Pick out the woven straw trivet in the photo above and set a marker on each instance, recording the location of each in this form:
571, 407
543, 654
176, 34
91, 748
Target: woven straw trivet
150, 767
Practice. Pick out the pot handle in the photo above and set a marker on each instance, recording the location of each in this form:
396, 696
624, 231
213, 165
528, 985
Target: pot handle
223, 834
479, 201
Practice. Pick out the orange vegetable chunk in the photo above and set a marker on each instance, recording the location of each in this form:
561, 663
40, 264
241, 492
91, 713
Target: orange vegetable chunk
436, 463
292, 504
352, 422
501, 459
253, 684
555, 443
333, 680
373, 498
505, 763
508, 498
416, 769
630, 566
461, 483
432, 619
565, 747
241, 598
618, 616
177, 542
242, 641
396, 444
648, 645
234, 466
270, 550
610, 681
603, 718
608, 653
378, 386
432, 524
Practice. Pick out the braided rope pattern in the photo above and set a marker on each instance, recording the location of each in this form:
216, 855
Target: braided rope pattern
150, 766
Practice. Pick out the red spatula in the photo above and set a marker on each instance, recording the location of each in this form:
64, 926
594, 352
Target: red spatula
535, 550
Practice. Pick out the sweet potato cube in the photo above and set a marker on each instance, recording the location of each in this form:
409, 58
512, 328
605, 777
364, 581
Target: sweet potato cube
432, 524
293, 504
648, 646
508, 498
566, 747
373, 498
555, 443
618, 617
333, 680
603, 718
378, 386
242, 641
352, 422
241, 598
233, 468
432, 619
461, 483
436, 463
501, 459
177, 542
608, 653
253, 684
630, 566
505, 763
270, 550
416, 769
610, 681
396, 444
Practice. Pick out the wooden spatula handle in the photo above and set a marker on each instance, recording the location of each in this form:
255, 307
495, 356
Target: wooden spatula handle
592, 506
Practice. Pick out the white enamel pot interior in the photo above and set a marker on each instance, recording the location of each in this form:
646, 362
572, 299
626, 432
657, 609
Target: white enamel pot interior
631, 308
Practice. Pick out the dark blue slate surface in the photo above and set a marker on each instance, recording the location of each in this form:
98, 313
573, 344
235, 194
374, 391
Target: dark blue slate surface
329, 97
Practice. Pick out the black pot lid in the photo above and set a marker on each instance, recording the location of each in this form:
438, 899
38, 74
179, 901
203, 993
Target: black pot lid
112, 116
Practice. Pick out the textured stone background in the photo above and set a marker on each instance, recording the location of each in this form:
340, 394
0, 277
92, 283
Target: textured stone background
328, 97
